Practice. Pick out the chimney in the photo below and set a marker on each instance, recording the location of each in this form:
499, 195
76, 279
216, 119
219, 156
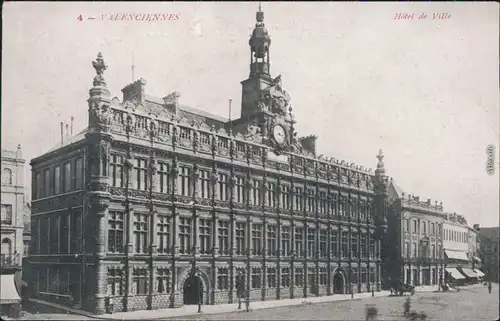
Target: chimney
62, 134
72, 118
67, 130
429, 202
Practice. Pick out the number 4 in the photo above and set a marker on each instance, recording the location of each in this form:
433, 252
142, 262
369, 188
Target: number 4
79, 18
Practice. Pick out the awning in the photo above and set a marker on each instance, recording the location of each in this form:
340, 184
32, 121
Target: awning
479, 273
455, 274
8, 291
469, 273
477, 259
456, 255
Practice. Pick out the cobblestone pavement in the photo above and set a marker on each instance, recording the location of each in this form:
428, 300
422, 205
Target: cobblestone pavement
466, 305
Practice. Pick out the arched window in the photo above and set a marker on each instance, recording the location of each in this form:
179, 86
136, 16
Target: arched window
7, 176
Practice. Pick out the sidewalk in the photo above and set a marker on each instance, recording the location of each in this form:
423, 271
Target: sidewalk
214, 309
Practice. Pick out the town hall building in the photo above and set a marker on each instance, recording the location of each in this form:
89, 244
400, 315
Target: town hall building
156, 204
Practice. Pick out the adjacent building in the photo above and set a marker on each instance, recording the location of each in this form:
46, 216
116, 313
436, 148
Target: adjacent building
458, 260
11, 229
157, 204
489, 255
413, 252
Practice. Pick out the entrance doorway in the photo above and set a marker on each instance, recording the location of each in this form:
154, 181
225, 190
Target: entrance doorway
193, 290
338, 283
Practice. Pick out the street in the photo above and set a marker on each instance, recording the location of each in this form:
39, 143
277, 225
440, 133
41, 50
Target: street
471, 303
468, 304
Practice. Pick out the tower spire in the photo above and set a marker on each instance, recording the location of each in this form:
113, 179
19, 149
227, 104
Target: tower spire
259, 46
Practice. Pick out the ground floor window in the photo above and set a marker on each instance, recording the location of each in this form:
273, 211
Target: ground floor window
115, 282
256, 278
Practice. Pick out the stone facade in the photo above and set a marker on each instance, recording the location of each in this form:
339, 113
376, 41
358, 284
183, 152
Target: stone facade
12, 225
415, 252
177, 205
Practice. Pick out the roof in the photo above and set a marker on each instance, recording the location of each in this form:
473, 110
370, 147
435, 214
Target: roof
68, 140
397, 189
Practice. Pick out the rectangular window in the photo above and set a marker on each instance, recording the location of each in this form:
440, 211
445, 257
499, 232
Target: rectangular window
433, 248
205, 184
323, 277
140, 177
115, 232
297, 206
354, 245
311, 240
117, 173
414, 245
223, 194
39, 186
140, 281
372, 275
433, 229
223, 278
240, 190
407, 225
163, 280
48, 184
299, 241
223, 237
256, 278
271, 240
362, 247
285, 241
67, 178
271, 277
371, 245
334, 243
163, 178
271, 194
364, 276
79, 173
344, 244
311, 200
44, 237
342, 207
285, 277
185, 225
354, 208
141, 233
354, 276
205, 236
407, 249
6, 214
76, 232
424, 228
255, 192
333, 204
54, 235
299, 276
185, 182
414, 230
257, 239
285, 196
57, 180
115, 282
240, 238
323, 203
163, 234
323, 249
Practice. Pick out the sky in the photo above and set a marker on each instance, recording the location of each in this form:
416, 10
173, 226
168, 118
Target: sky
425, 91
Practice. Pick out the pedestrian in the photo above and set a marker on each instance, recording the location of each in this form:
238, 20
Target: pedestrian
489, 287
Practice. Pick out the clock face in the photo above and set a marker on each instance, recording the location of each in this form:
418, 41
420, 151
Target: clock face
279, 134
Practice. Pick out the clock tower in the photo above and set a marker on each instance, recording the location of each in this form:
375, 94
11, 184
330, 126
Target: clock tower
265, 105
